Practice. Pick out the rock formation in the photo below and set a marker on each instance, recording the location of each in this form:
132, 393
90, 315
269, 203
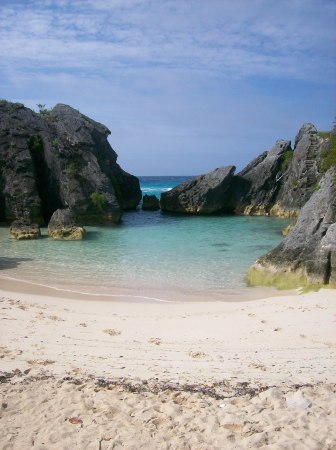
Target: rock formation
308, 255
23, 229
57, 159
63, 226
200, 195
150, 203
302, 172
277, 183
256, 187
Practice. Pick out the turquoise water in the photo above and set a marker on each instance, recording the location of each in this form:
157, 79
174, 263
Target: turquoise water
149, 253
157, 185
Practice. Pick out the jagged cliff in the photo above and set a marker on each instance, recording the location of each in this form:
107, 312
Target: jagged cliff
58, 159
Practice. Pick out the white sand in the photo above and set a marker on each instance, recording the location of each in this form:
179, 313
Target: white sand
278, 348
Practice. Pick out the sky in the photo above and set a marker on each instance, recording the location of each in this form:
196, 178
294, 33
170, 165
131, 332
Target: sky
185, 86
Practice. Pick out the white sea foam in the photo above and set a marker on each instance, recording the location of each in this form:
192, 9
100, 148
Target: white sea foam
156, 189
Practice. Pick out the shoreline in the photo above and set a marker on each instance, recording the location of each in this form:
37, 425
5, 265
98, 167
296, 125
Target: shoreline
249, 293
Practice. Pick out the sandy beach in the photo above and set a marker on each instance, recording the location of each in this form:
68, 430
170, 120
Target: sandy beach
91, 374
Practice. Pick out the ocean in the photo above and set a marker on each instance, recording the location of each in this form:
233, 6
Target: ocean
150, 254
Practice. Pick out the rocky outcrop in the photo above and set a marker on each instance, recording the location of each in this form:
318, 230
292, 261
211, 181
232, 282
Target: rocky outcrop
308, 255
279, 182
256, 187
63, 226
200, 195
302, 172
23, 229
57, 159
276, 183
150, 203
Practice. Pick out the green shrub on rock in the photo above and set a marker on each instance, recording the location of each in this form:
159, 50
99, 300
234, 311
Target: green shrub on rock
98, 200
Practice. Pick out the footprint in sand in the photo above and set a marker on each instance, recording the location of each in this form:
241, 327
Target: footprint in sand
112, 332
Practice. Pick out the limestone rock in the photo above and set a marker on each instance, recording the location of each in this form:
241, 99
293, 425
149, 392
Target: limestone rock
150, 203
24, 229
256, 187
63, 225
303, 172
279, 182
287, 230
58, 159
200, 195
308, 254
307, 129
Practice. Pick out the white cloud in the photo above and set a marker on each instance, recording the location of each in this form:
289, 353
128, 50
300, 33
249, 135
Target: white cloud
172, 79
249, 38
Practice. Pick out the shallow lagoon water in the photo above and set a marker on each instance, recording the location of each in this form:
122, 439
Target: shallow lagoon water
149, 253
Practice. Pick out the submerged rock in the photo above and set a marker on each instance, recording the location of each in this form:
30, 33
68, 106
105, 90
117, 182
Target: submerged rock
150, 203
200, 195
308, 255
63, 226
23, 229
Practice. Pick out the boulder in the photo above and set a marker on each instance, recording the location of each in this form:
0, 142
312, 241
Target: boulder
308, 255
63, 226
150, 203
24, 229
200, 195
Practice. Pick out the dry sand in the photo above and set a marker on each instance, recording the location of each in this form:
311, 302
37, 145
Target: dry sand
92, 374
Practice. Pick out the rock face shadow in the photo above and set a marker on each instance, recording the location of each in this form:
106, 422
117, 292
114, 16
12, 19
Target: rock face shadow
11, 263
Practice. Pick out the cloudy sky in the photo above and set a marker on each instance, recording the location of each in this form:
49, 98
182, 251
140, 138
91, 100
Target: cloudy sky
185, 86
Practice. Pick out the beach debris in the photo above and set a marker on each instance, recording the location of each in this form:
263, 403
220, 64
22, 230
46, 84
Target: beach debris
112, 332
258, 366
83, 324
197, 355
156, 341
298, 400
40, 362
56, 318
75, 420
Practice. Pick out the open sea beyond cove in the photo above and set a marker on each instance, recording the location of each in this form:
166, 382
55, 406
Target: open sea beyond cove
150, 254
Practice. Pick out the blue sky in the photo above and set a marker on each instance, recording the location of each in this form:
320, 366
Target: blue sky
185, 86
